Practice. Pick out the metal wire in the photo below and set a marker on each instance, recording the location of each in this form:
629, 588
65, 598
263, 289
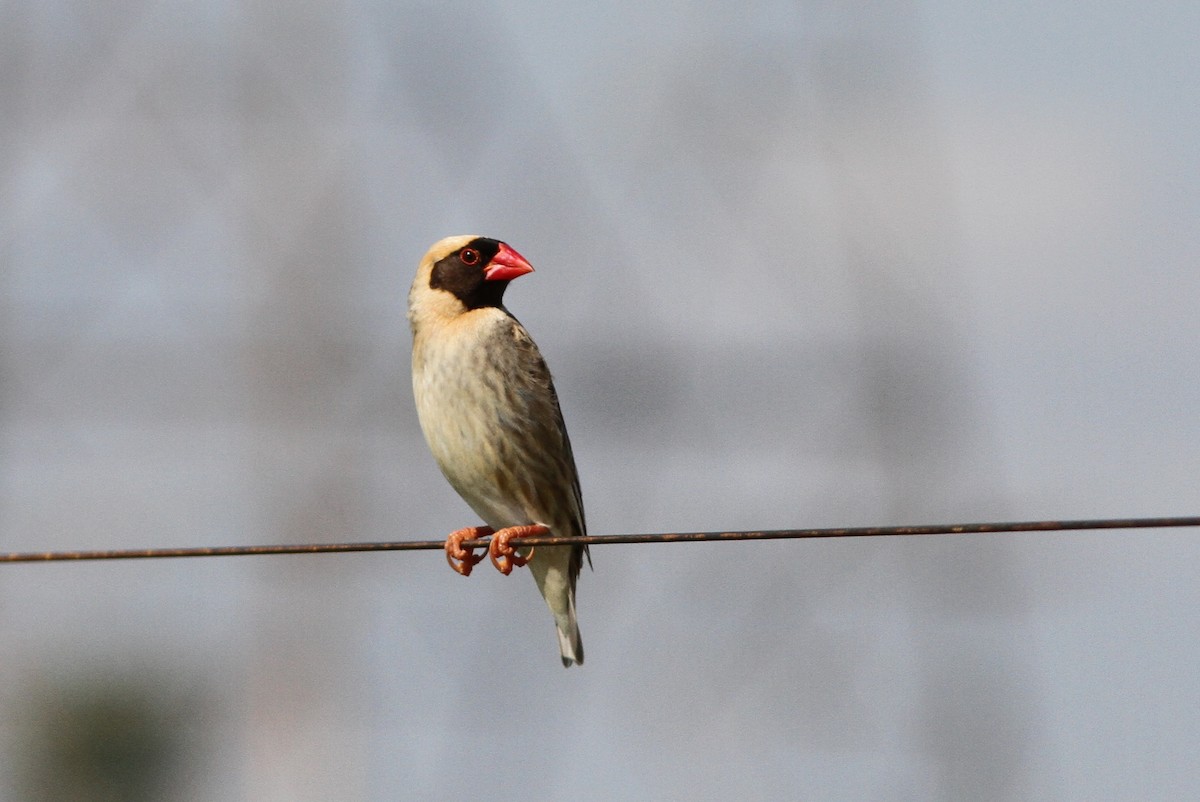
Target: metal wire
670, 537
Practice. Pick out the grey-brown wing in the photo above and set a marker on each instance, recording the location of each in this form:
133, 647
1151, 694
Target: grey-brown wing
561, 499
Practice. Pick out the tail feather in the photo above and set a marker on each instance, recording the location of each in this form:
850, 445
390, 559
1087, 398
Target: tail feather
552, 570
570, 645
569, 642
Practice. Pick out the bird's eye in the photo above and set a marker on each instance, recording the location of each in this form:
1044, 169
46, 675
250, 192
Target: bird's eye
469, 256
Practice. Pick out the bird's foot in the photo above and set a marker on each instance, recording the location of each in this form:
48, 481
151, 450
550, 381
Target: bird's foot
462, 559
503, 555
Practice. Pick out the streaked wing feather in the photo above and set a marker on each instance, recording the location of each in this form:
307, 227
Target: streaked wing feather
531, 361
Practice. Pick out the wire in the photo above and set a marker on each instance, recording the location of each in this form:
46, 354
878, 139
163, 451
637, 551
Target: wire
671, 537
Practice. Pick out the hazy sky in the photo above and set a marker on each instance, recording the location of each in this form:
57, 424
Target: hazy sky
799, 265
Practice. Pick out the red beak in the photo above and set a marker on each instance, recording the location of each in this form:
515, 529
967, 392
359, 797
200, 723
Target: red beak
506, 264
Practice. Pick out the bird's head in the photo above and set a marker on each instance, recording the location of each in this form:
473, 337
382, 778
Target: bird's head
462, 273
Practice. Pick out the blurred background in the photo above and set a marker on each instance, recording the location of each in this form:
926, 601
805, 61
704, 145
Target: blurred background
799, 264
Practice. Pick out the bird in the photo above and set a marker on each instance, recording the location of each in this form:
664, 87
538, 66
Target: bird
490, 415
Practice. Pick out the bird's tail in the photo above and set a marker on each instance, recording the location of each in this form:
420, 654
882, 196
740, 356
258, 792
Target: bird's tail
570, 645
552, 572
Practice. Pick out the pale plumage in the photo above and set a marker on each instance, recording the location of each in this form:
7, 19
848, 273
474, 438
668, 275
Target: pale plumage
490, 413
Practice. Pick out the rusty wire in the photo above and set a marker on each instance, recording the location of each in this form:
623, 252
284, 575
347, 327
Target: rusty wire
670, 537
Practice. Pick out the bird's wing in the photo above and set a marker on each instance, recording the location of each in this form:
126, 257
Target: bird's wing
566, 498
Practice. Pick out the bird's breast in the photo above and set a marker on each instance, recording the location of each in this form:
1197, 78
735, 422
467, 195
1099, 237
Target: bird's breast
463, 397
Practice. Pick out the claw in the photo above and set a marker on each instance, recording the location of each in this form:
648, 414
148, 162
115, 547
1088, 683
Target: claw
462, 559
503, 555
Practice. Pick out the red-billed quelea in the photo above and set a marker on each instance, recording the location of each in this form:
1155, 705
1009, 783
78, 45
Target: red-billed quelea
491, 417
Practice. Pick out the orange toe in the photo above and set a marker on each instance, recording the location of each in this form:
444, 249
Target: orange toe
463, 559
503, 555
